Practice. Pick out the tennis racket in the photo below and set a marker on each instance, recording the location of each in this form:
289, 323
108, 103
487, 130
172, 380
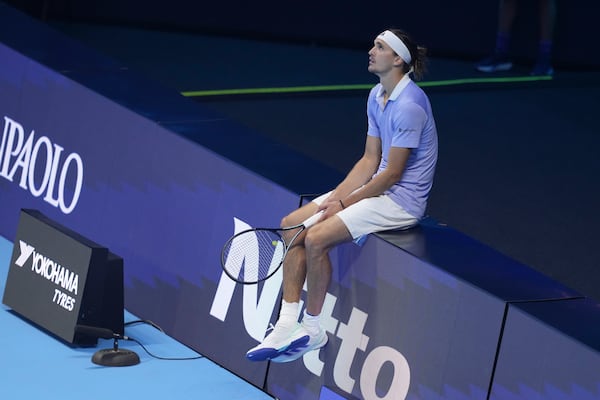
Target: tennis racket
253, 255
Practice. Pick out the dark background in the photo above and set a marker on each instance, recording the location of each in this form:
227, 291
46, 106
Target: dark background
458, 29
518, 167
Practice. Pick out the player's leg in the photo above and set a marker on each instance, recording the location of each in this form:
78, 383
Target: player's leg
543, 63
287, 332
319, 240
294, 265
499, 60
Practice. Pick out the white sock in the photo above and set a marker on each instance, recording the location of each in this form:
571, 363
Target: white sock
288, 313
311, 323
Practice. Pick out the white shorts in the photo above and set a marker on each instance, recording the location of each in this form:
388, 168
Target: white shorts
373, 214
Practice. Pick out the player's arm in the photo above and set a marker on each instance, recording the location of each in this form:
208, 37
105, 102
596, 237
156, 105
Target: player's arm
362, 171
397, 158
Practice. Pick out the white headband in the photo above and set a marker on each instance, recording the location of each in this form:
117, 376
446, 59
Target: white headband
397, 45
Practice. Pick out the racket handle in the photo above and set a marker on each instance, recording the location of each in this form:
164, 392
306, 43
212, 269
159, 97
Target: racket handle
310, 221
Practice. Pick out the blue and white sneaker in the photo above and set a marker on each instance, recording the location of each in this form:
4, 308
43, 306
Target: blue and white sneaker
295, 352
283, 338
495, 63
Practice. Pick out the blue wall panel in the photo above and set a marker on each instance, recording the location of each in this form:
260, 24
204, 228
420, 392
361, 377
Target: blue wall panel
550, 351
399, 328
162, 204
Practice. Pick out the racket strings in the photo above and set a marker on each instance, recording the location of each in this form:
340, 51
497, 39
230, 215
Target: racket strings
253, 255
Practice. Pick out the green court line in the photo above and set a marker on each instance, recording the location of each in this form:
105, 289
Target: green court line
336, 88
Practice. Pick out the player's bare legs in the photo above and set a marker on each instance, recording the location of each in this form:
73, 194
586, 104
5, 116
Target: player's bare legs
289, 340
319, 240
294, 265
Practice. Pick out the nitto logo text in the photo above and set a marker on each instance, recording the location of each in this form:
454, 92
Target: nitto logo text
256, 315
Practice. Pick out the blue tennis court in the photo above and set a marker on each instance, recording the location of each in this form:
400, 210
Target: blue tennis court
36, 365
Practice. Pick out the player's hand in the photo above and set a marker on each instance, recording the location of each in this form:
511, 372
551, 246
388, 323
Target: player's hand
330, 208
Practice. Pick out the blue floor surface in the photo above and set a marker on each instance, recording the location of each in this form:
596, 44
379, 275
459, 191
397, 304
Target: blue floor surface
36, 365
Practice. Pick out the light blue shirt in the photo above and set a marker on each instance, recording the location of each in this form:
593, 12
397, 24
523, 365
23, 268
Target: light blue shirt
406, 121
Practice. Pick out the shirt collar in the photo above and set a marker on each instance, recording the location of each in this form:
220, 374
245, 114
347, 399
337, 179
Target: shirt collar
402, 83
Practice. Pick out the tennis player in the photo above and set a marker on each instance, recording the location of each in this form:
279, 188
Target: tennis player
386, 189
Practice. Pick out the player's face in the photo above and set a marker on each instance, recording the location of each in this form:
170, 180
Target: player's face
381, 57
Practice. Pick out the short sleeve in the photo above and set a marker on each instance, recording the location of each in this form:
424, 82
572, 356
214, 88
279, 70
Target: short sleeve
372, 109
407, 125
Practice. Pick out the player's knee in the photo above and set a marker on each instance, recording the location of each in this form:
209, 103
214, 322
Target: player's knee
285, 221
314, 242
